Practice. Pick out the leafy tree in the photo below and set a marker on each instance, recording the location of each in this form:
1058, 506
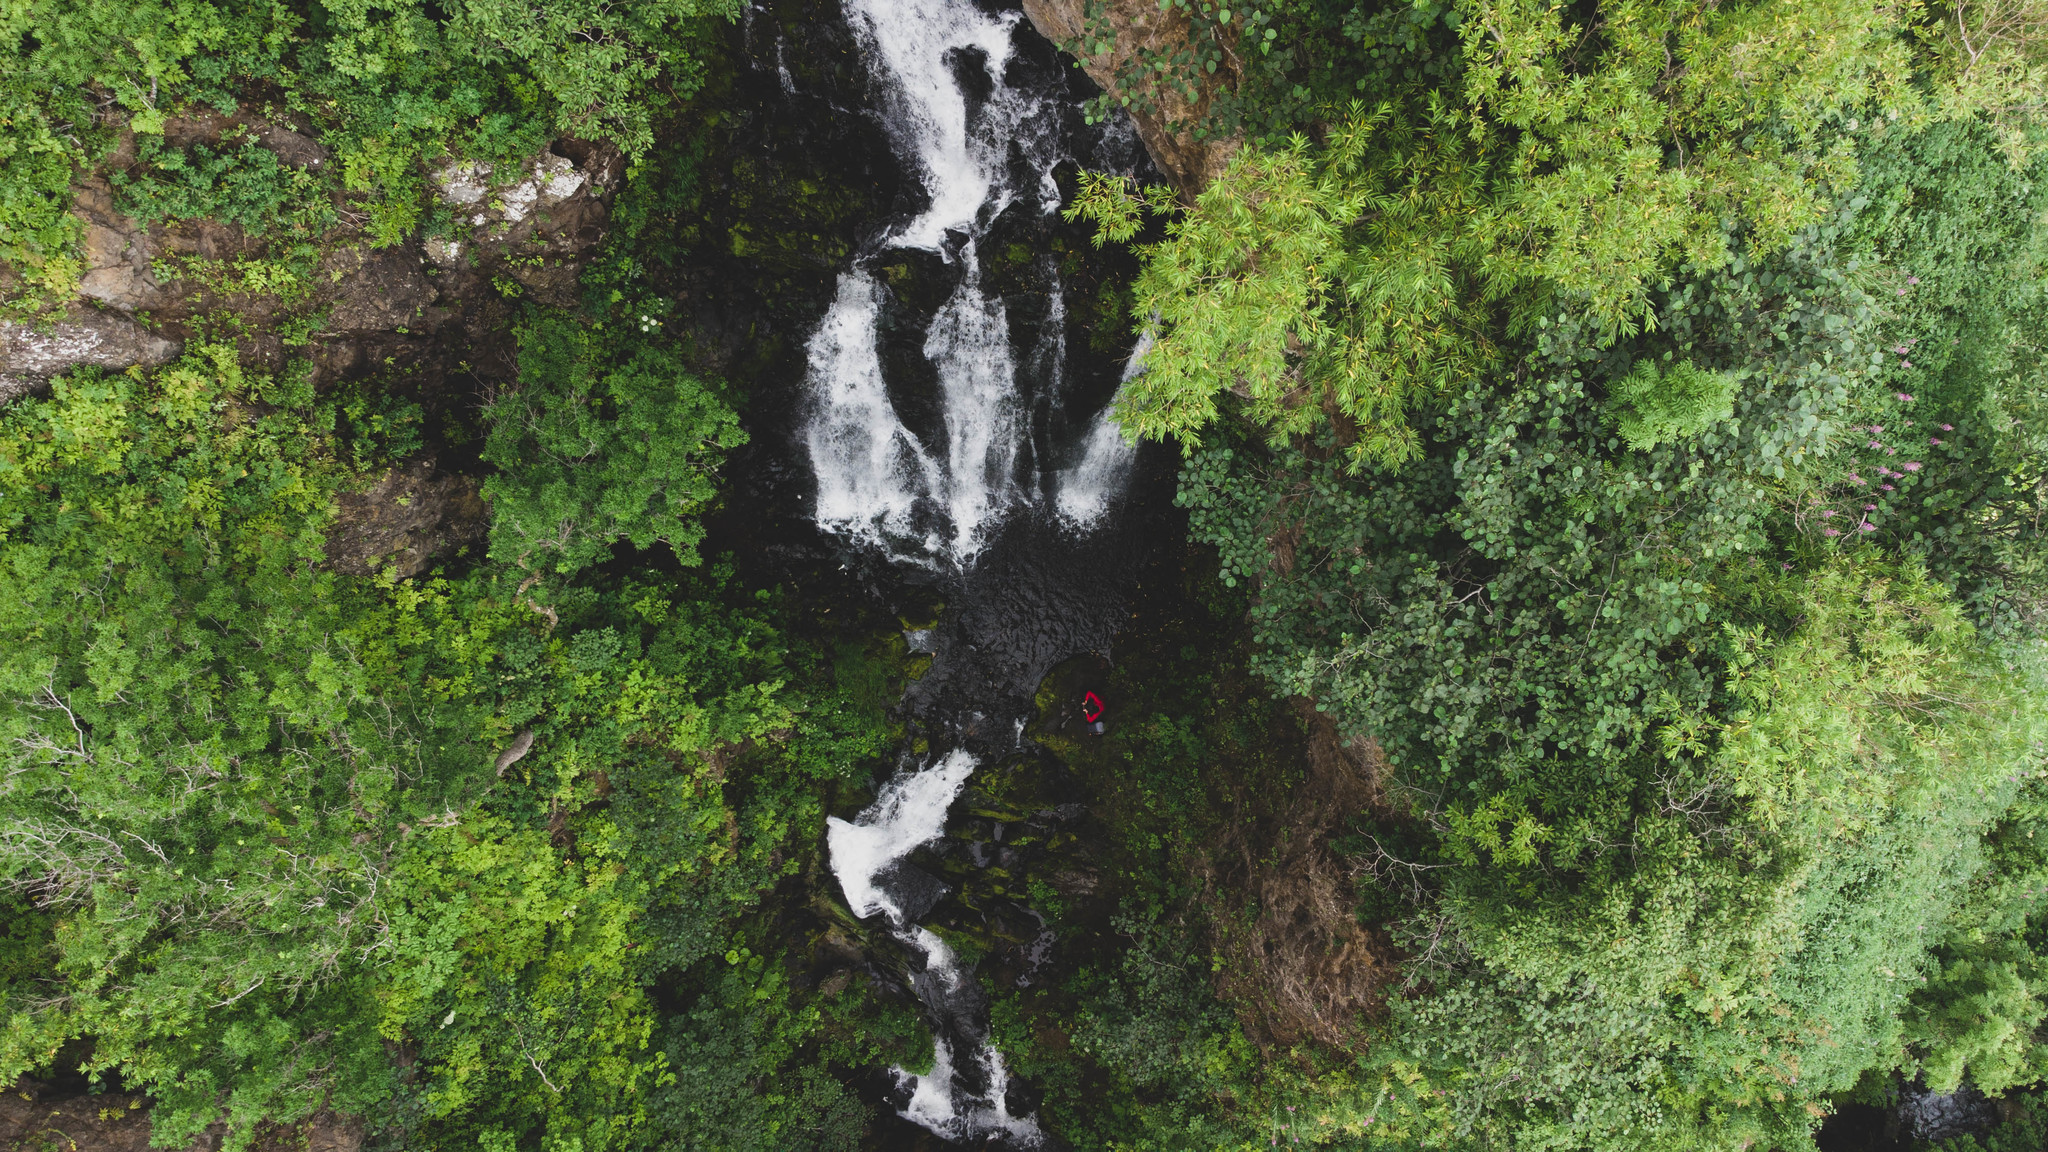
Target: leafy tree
599, 445
1570, 161
1696, 757
268, 816
205, 784
1655, 406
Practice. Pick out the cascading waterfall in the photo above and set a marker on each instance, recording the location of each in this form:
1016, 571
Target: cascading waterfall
936, 496
877, 480
1105, 462
910, 813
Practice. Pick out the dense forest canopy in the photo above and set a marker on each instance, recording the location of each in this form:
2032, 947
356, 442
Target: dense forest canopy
1599, 702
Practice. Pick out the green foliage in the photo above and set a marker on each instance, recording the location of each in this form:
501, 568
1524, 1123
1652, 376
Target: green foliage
1319, 287
255, 804
1653, 407
1957, 257
390, 89
1773, 911
1116, 205
1697, 759
598, 446
726, 1051
1522, 161
242, 184
197, 749
1154, 1021
1979, 1015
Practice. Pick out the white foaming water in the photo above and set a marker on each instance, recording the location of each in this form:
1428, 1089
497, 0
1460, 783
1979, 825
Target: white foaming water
873, 473
969, 342
931, 1095
915, 42
940, 1109
931, 502
1106, 457
910, 813
870, 468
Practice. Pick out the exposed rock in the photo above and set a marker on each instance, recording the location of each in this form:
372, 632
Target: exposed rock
405, 520
515, 751
496, 208
533, 226
430, 318
30, 354
1938, 1116
1299, 965
210, 128
117, 253
377, 289
132, 267
44, 1117
1168, 132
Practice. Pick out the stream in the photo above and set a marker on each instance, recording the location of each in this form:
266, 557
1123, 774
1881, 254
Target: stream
968, 460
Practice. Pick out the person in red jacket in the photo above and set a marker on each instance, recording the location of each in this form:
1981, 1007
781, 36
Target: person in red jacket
1091, 712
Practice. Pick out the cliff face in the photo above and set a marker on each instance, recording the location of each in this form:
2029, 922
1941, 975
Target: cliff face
1141, 29
428, 316
431, 307
41, 1116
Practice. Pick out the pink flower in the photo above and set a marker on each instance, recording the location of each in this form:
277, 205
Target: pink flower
1829, 512
1875, 444
1891, 451
1902, 291
1905, 399
1867, 527
1911, 465
1948, 427
1876, 428
1912, 279
1934, 440
1855, 479
1886, 487
1901, 349
1870, 507
1905, 364
1832, 531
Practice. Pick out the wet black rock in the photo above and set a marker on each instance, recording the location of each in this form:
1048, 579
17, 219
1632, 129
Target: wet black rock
1936, 1116
914, 890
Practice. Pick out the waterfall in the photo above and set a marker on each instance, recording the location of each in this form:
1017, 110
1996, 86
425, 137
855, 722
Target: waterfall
878, 482
935, 492
910, 813
1106, 457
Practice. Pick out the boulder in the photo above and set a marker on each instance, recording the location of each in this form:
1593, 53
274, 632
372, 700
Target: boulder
30, 354
1933, 1117
117, 253
532, 225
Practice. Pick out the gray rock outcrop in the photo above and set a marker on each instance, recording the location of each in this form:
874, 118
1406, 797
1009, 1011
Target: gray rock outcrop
32, 354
